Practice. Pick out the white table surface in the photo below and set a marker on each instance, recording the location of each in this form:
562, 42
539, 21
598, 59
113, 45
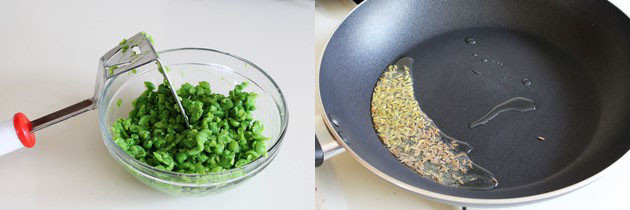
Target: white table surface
49, 55
342, 183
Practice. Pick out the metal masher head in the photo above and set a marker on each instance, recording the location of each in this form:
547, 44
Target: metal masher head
130, 54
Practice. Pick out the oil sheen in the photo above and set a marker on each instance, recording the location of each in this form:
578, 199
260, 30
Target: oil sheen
414, 139
514, 104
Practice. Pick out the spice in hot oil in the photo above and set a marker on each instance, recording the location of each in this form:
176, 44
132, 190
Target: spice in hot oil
411, 136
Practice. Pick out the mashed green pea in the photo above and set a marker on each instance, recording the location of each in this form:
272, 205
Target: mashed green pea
223, 136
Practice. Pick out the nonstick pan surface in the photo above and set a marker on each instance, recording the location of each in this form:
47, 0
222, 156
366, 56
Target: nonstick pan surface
576, 54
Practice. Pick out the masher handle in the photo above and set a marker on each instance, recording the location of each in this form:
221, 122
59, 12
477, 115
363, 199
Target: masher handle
63, 114
19, 131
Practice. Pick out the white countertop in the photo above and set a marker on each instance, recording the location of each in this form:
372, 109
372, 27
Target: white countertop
343, 184
49, 57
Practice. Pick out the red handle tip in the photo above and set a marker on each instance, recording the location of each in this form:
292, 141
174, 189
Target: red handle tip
23, 129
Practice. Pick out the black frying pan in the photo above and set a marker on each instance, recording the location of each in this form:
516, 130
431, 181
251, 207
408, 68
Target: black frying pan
576, 53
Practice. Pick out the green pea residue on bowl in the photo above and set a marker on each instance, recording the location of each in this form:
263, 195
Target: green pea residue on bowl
223, 133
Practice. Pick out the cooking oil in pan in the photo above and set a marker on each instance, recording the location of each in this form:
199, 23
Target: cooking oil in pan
470, 40
411, 136
526, 81
514, 104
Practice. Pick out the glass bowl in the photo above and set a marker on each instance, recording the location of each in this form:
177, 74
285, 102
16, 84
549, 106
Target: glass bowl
223, 71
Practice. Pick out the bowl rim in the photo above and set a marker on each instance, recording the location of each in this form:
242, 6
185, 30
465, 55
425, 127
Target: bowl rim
284, 121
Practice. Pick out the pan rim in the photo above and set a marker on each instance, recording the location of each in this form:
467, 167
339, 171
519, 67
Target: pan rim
464, 201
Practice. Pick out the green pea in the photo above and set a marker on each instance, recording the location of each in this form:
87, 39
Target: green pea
149, 85
147, 144
251, 155
122, 144
137, 151
219, 148
187, 165
217, 169
144, 121
144, 134
134, 128
241, 162
234, 123
233, 146
202, 158
181, 157
205, 85
259, 147
164, 158
199, 168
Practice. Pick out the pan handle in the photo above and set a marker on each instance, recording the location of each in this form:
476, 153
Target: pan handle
328, 150
319, 153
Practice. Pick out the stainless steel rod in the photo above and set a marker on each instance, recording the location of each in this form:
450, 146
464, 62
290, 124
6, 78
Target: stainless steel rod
174, 93
63, 114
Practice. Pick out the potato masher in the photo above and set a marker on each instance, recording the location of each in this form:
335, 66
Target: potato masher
129, 54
